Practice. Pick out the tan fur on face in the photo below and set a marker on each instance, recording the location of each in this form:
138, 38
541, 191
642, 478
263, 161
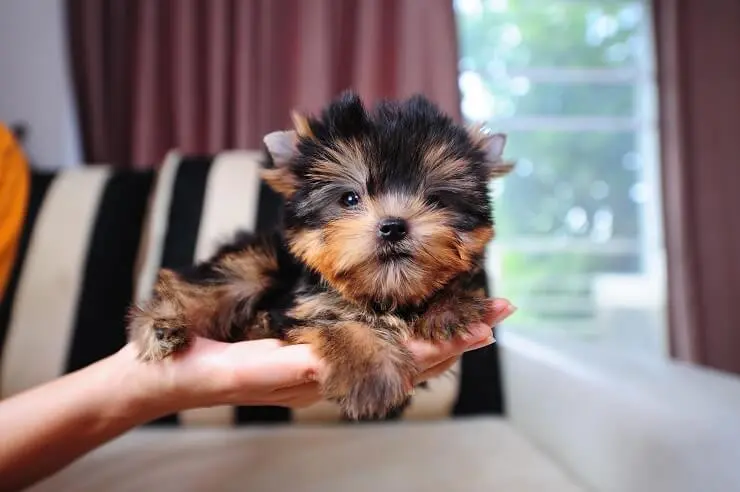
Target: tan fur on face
441, 167
345, 251
474, 243
397, 205
345, 163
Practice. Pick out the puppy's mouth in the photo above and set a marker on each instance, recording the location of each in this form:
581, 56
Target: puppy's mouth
389, 255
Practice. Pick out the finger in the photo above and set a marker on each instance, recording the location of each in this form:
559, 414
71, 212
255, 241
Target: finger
296, 364
436, 370
305, 390
206, 347
297, 397
500, 310
302, 394
428, 354
300, 401
283, 367
478, 335
262, 344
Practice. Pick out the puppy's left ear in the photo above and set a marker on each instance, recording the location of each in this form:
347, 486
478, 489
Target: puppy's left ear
492, 144
283, 148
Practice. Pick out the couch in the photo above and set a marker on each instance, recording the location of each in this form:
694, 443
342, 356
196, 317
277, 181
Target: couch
520, 415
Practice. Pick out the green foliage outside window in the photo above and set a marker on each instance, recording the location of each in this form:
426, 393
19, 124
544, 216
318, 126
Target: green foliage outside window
564, 75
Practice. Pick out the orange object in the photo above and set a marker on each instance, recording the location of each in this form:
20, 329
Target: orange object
14, 188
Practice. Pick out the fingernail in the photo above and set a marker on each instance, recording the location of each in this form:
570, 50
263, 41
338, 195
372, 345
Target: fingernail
506, 313
484, 343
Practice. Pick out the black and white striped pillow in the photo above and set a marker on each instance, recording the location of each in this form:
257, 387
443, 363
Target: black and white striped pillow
74, 279
74, 275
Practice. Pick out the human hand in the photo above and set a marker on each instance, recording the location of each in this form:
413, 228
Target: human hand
436, 358
270, 372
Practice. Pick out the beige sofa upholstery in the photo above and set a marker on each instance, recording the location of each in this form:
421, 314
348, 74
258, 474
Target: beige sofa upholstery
485, 454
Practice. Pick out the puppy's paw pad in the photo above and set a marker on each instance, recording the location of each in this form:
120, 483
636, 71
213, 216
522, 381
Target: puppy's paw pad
159, 342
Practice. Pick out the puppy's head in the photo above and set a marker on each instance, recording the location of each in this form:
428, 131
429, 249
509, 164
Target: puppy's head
387, 205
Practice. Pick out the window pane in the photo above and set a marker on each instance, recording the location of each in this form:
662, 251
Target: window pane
571, 83
567, 184
522, 97
537, 33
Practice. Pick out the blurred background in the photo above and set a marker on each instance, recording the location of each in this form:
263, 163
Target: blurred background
617, 231
580, 243
571, 82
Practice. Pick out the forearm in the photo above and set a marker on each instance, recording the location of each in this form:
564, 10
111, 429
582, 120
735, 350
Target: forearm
48, 427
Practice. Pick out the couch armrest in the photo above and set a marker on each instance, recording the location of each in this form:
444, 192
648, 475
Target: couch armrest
622, 423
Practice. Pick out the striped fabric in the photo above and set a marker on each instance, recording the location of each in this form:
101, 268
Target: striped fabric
73, 279
94, 240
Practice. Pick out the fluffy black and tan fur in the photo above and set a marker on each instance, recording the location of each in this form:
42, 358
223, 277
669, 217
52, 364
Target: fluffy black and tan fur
387, 216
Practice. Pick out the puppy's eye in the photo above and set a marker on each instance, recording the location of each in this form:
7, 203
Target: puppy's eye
435, 200
350, 199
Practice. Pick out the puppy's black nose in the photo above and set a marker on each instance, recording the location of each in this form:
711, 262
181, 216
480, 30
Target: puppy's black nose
393, 229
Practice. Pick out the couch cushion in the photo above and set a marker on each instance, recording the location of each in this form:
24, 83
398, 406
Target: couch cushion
73, 278
622, 421
476, 455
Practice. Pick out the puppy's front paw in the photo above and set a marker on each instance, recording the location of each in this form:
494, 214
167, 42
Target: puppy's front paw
451, 317
165, 341
373, 394
157, 339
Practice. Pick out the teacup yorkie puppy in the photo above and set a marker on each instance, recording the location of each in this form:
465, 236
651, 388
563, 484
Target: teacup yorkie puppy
386, 220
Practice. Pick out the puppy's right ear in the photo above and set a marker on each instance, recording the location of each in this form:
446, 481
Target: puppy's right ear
492, 145
282, 147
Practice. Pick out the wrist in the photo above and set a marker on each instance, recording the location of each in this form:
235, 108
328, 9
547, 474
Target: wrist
141, 391
155, 389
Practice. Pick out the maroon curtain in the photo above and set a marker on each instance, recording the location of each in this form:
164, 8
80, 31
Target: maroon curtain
207, 75
699, 77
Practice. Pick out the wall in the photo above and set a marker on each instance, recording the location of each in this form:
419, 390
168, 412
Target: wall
35, 84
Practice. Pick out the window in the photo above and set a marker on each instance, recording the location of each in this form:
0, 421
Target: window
579, 232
